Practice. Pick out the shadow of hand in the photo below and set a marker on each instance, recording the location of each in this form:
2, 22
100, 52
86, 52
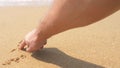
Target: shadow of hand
57, 57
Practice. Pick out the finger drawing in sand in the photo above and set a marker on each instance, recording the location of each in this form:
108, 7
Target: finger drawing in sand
67, 34
62, 18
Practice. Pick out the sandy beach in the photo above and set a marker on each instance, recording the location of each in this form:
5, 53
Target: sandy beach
93, 46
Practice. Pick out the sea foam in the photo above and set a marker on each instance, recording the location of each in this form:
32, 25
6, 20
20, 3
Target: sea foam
25, 2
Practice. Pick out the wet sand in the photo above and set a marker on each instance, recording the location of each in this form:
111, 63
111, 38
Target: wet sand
93, 46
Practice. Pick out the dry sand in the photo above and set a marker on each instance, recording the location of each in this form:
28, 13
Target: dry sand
93, 46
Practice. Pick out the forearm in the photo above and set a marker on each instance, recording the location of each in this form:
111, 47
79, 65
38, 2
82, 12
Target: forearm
68, 14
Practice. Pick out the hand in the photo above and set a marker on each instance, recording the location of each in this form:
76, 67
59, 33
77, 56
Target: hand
32, 41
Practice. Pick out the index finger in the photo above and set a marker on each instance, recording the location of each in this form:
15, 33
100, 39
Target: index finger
22, 44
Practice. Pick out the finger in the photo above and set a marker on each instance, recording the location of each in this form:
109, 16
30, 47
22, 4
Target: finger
40, 48
43, 45
34, 48
22, 44
45, 42
31, 49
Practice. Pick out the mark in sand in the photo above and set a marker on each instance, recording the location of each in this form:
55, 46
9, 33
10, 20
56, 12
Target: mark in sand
12, 50
17, 60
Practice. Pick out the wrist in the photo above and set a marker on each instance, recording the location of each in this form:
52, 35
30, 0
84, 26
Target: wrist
41, 33
39, 36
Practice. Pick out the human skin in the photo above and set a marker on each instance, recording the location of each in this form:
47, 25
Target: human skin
65, 15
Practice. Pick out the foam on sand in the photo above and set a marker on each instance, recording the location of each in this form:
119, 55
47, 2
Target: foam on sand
25, 2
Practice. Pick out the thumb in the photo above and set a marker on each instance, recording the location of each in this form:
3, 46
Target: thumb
31, 49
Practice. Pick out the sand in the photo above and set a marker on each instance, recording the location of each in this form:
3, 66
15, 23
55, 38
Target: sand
93, 46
